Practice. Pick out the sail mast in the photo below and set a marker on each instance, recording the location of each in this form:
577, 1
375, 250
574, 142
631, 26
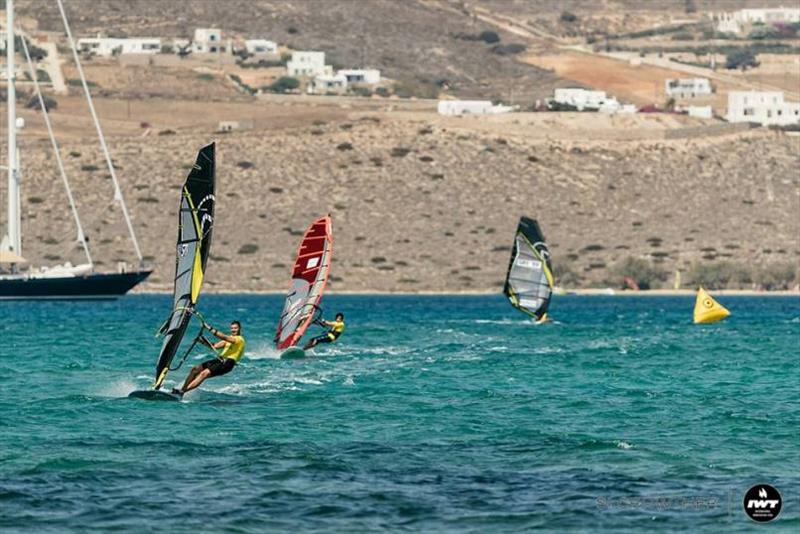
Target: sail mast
14, 242
117, 190
57, 152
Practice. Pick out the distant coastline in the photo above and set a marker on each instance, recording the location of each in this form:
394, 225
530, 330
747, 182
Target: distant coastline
582, 292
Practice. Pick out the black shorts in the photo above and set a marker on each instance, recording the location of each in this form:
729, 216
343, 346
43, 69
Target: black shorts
324, 338
219, 367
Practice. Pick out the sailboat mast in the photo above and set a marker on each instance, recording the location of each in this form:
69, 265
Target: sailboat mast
14, 238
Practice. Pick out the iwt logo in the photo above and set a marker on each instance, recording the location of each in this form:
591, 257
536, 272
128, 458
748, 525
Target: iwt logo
762, 503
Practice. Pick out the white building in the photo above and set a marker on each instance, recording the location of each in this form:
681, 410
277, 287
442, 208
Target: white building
734, 22
763, 107
260, 46
367, 76
701, 112
688, 87
582, 98
326, 83
309, 64
470, 107
209, 41
108, 46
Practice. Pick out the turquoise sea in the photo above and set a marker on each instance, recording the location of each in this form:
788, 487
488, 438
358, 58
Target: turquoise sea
430, 414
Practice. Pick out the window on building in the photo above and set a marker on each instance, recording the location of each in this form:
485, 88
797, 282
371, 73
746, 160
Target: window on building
769, 113
212, 49
780, 112
747, 112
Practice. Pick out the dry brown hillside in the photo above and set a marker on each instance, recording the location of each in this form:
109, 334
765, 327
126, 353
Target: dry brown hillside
419, 204
413, 42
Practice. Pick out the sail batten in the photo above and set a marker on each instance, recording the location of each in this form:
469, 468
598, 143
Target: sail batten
529, 280
309, 278
195, 225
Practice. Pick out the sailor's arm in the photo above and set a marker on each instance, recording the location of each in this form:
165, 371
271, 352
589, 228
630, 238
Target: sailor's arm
221, 335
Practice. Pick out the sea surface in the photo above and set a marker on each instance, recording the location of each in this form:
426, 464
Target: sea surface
430, 414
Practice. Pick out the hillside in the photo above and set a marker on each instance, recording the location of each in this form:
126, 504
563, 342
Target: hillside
423, 204
415, 43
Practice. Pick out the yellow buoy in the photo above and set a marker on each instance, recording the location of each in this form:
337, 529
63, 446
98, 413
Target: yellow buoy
708, 310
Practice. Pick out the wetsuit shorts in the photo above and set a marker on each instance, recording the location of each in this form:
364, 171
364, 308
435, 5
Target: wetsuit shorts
219, 367
324, 338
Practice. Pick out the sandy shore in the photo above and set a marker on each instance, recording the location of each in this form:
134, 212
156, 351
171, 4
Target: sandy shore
583, 292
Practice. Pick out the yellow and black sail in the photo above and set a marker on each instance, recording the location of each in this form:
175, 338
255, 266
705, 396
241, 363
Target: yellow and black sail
195, 225
529, 280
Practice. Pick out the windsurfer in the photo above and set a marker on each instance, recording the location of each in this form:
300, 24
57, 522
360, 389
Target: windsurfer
232, 346
336, 328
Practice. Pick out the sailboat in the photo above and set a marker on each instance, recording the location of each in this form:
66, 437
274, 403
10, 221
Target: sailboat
310, 273
64, 281
529, 280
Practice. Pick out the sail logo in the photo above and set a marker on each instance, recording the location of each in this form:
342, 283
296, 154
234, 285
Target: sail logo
762, 503
182, 248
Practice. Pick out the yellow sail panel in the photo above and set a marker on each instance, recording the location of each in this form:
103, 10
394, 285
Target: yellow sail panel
197, 275
708, 310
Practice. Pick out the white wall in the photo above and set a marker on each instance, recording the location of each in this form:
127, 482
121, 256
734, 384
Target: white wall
105, 46
308, 64
763, 107
462, 107
260, 46
580, 98
687, 87
370, 76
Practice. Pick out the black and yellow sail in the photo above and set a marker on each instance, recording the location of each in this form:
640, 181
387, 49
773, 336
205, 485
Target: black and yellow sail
195, 225
529, 280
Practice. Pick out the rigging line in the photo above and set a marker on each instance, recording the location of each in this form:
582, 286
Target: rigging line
46, 116
117, 190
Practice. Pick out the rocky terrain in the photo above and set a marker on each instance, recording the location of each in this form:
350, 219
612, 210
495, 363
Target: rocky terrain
417, 43
422, 204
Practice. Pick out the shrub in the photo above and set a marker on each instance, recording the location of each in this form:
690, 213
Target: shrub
778, 276
763, 32
249, 248
206, 77
489, 37
719, 275
284, 84
508, 50
682, 36
646, 275
167, 49
566, 16
741, 59
564, 273
49, 103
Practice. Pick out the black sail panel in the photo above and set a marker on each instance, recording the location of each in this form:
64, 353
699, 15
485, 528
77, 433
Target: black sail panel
529, 280
195, 225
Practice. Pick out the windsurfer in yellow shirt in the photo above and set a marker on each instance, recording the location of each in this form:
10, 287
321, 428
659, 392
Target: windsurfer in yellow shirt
232, 346
336, 329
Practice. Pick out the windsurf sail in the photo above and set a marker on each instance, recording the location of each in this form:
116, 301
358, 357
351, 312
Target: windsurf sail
707, 310
195, 225
529, 281
309, 277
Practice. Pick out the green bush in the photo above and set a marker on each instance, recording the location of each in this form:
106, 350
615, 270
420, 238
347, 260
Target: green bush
719, 275
646, 275
566, 16
489, 37
778, 276
508, 49
763, 32
167, 49
565, 274
742, 59
682, 36
283, 84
